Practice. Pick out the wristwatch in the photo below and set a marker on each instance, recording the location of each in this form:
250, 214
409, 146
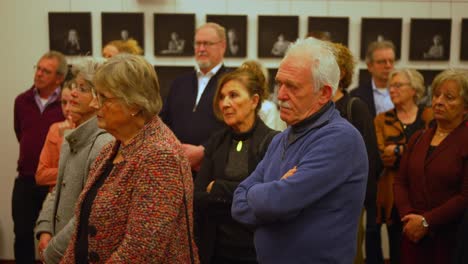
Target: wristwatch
396, 150
424, 222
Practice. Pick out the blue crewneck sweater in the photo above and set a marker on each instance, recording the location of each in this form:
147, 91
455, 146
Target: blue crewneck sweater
312, 216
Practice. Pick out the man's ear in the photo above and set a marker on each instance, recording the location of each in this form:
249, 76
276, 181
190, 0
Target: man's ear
60, 80
255, 100
326, 94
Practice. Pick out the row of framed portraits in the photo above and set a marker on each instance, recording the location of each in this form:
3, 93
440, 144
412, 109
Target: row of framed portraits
166, 74
70, 33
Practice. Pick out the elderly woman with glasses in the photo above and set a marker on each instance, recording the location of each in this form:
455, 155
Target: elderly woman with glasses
56, 223
431, 189
136, 206
393, 130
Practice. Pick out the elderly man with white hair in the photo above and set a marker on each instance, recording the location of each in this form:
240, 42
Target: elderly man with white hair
305, 197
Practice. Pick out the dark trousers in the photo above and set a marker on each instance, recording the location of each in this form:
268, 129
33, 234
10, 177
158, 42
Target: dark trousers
374, 240
26, 204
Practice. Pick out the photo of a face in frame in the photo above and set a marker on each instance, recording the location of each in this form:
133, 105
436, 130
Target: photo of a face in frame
122, 26
70, 33
275, 34
335, 29
236, 33
174, 34
380, 29
430, 39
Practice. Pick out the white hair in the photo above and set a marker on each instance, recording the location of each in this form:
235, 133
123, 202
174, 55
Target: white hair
87, 67
325, 70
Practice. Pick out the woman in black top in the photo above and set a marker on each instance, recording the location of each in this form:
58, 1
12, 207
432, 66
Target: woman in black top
230, 156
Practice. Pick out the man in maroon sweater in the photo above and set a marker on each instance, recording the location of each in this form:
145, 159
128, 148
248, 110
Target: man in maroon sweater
35, 110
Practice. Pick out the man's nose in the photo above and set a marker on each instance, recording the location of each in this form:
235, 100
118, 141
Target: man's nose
282, 95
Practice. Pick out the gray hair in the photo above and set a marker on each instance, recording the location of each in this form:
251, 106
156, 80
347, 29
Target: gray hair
220, 30
376, 45
458, 76
62, 68
131, 78
415, 79
87, 68
325, 70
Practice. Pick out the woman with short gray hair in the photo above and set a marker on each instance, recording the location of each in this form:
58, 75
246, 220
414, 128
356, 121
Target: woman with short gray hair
136, 206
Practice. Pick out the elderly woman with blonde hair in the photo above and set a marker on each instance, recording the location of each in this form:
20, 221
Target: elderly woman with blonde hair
136, 206
393, 129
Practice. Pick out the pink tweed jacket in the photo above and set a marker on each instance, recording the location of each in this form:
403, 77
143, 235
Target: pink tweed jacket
139, 212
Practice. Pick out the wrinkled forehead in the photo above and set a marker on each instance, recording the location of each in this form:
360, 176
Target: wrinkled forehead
50, 64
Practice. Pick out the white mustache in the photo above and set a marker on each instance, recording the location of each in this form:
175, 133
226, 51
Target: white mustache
284, 104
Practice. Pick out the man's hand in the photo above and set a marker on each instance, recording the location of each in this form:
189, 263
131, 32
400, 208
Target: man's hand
195, 155
44, 240
289, 173
413, 228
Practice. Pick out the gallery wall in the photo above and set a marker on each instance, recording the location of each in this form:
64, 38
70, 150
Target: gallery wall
25, 37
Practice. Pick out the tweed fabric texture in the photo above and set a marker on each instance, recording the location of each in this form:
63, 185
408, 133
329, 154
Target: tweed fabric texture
138, 215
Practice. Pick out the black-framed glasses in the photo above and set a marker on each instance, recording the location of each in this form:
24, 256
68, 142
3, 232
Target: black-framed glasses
43, 70
206, 44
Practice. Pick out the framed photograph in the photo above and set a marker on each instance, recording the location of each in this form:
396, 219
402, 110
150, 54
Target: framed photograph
236, 33
122, 26
430, 39
429, 76
379, 29
275, 33
167, 74
335, 29
464, 40
70, 33
174, 34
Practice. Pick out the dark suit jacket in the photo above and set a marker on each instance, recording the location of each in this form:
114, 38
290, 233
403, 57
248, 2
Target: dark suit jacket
435, 187
191, 124
365, 93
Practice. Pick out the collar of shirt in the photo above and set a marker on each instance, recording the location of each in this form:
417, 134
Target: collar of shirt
382, 99
209, 74
50, 99
203, 80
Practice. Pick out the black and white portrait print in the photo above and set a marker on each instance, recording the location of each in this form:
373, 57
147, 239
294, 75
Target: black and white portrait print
70, 33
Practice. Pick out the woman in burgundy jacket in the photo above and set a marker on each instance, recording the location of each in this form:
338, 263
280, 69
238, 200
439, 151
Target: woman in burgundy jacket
431, 189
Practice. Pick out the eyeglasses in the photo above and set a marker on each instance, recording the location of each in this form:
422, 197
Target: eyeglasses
207, 44
384, 61
43, 70
101, 99
82, 88
397, 85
